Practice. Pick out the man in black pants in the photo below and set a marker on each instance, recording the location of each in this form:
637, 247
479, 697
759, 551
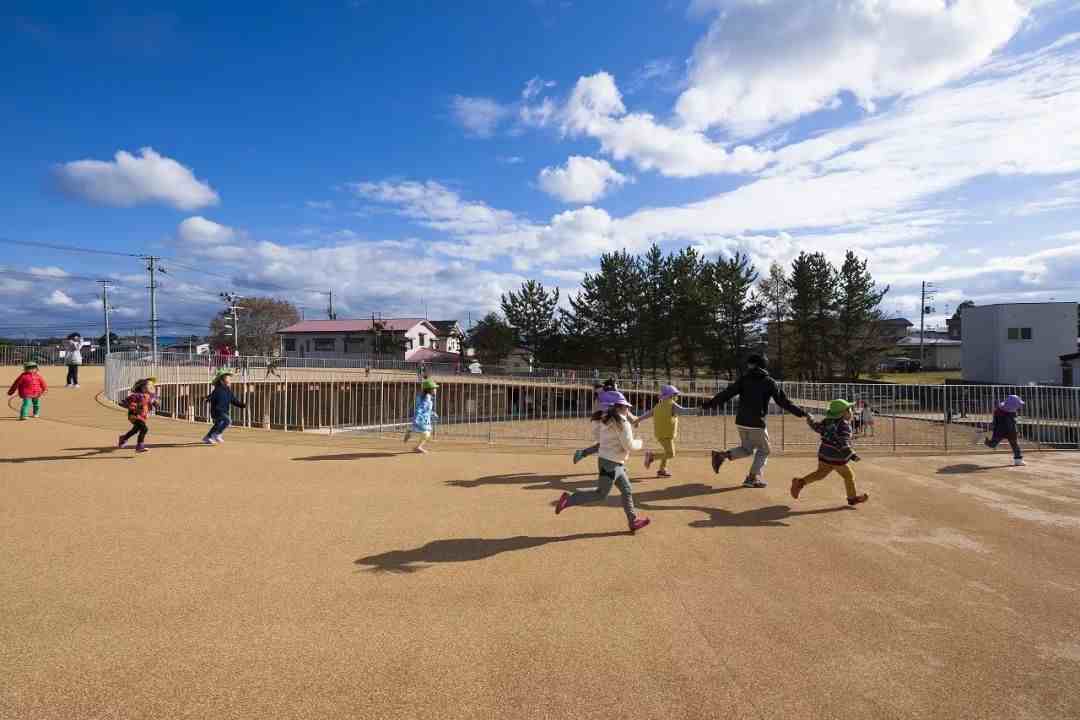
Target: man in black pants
754, 390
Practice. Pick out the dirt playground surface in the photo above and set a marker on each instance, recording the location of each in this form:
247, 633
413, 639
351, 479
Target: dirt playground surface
305, 576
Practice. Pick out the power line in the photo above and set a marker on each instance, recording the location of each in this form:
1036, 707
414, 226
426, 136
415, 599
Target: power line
66, 248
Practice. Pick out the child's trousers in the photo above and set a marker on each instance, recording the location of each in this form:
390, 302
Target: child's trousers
1014, 442
823, 470
668, 446
26, 405
611, 473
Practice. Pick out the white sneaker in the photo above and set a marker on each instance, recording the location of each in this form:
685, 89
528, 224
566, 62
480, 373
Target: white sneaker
1019, 461
75, 385
217, 439
208, 441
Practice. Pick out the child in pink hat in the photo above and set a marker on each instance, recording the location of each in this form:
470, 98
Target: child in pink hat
665, 415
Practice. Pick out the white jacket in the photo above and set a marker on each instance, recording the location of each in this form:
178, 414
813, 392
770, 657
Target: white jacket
616, 440
74, 353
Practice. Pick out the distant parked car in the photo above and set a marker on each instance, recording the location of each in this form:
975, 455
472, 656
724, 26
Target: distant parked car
475, 369
900, 364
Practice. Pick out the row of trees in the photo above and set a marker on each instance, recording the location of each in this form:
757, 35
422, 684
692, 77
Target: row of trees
657, 312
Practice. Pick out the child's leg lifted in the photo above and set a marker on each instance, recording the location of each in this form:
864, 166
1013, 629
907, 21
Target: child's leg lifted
611, 473
823, 470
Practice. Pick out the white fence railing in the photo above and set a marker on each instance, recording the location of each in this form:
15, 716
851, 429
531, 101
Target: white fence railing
304, 395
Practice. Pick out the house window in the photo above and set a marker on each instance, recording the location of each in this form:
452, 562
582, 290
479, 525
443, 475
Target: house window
422, 337
325, 345
290, 344
1023, 333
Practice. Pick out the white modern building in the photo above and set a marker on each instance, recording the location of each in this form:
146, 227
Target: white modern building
1018, 343
344, 339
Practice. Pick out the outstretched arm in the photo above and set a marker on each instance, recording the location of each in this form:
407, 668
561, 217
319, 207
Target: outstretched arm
782, 400
723, 396
678, 409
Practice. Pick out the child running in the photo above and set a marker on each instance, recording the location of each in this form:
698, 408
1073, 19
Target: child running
140, 403
835, 451
1004, 427
665, 415
221, 400
423, 414
609, 385
614, 433
31, 387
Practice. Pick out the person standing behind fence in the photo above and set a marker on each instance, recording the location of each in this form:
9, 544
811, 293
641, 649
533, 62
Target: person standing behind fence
1004, 427
423, 413
221, 400
835, 451
31, 387
754, 389
665, 417
73, 358
140, 403
614, 433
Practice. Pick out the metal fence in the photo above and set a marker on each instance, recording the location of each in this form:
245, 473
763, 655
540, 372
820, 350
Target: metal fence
45, 355
305, 396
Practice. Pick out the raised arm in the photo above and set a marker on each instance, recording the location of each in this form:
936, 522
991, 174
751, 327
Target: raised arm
678, 409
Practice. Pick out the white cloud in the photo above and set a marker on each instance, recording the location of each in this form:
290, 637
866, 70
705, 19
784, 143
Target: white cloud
480, 116
538, 115
319, 204
1066, 196
535, 87
581, 180
134, 180
768, 62
510, 159
60, 299
595, 109
49, 272
197, 230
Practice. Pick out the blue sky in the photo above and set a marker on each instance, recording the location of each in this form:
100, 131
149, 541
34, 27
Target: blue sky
412, 158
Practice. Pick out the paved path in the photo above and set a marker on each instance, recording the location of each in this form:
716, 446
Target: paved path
297, 576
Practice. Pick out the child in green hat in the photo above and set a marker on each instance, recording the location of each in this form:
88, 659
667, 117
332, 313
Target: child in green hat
835, 451
31, 386
422, 415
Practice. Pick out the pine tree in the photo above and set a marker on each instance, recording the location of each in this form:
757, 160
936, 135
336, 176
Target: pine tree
607, 306
737, 311
813, 303
492, 339
858, 317
531, 312
656, 310
690, 313
776, 294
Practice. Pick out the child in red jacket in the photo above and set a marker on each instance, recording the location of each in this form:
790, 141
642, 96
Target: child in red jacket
31, 387
140, 403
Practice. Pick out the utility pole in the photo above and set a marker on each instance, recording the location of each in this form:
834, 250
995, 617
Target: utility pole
105, 306
330, 310
927, 293
151, 267
234, 310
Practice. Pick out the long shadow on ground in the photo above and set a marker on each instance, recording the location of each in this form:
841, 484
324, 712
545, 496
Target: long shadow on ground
348, 456
95, 453
463, 550
966, 468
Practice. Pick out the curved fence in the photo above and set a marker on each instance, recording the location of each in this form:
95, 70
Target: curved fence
311, 396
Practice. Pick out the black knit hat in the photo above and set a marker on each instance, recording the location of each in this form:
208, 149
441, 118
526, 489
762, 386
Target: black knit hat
758, 360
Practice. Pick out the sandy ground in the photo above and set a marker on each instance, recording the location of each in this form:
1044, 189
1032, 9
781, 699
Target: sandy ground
301, 576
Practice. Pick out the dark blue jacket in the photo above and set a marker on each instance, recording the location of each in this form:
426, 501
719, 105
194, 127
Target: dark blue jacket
220, 400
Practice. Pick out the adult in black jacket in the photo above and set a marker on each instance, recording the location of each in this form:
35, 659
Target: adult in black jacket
754, 389
221, 401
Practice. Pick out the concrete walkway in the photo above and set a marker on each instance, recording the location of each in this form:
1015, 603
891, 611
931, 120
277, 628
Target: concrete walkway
300, 576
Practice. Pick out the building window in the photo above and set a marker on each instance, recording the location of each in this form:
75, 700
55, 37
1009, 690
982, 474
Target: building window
325, 345
1019, 333
290, 344
422, 337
